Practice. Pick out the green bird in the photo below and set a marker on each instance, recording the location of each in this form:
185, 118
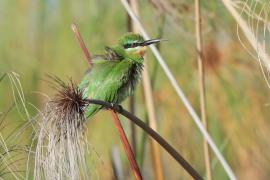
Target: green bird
115, 74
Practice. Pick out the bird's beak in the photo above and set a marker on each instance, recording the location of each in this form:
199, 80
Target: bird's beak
143, 45
152, 41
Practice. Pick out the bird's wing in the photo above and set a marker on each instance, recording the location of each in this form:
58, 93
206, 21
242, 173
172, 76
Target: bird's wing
101, 66
107, 80
110, 55
106, 85
97, 73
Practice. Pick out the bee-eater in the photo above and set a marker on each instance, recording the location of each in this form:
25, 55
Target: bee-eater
115, 74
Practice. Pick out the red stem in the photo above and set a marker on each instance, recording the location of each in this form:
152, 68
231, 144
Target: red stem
127, 147
82, 44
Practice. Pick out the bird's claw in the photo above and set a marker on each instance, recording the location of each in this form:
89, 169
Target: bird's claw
116, 107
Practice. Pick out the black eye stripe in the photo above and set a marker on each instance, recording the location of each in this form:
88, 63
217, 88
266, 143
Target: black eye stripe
136, 44
129, 45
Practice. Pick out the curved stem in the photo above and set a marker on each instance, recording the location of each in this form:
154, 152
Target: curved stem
152, 133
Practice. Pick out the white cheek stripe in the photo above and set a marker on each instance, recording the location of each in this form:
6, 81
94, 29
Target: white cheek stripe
133, 49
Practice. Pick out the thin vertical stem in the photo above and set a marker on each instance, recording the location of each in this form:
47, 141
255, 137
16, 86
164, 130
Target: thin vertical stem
116, 164
155, 151
132, 126
202, 85
128, 150
130, 27
82, 44
135, 7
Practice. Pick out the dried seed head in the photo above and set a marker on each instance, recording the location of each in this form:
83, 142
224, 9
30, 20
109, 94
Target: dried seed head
61, 147
69, 100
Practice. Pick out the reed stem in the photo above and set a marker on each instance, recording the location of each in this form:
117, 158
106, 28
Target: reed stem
201, 75
131, 28
82, 44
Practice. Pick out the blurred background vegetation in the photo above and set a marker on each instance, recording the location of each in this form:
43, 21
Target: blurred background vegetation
36, 40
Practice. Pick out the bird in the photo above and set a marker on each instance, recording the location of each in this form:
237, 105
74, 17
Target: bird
115, 74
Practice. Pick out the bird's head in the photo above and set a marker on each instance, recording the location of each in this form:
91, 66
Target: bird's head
134, 44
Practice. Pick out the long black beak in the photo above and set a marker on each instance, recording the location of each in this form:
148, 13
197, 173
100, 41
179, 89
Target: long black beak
152, 41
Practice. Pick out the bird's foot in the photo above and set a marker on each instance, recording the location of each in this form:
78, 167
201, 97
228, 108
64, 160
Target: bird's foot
116, 107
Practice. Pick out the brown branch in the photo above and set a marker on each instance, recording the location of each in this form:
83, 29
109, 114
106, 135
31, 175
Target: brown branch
152, 133
128, 150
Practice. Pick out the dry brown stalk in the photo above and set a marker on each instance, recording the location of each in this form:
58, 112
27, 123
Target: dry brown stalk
202, 85
82, 44
155, 151
132, 28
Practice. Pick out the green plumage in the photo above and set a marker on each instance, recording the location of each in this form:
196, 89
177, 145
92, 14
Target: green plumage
115, 74
112, 80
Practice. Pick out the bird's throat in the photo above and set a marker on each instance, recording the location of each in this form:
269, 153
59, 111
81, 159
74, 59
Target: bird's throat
141, 51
